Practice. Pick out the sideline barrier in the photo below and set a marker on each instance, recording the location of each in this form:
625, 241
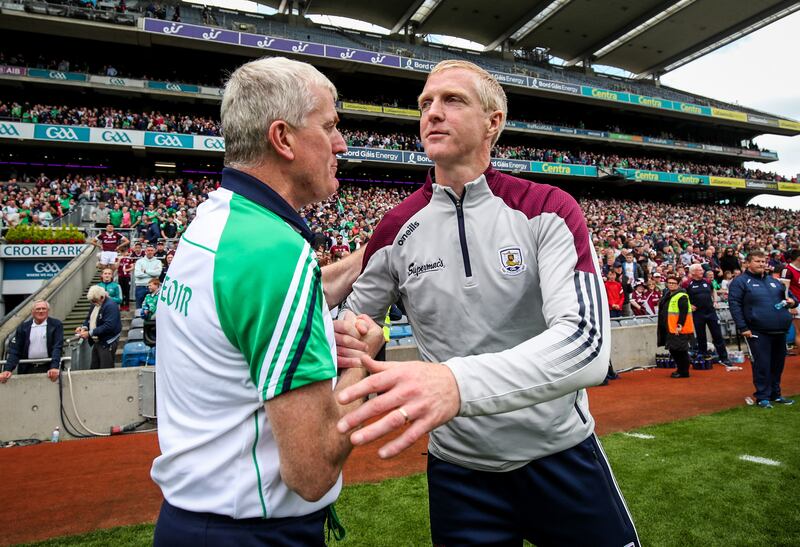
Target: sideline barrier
30, 407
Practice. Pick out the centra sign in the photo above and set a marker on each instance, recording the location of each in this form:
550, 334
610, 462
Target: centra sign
40, 251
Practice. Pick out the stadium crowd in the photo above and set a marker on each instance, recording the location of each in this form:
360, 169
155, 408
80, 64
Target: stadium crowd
662, 237
111, 118
412, 143
564, 119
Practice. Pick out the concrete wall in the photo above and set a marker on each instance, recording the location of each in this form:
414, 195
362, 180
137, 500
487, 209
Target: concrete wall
29, 406
633, 346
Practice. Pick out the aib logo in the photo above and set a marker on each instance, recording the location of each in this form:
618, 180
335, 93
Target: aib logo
347, 54
168, 140
53, 75
116, 136
174, 28
266, 42
61, 133
211, 34
214, 144
8, 130
300, 47
46, 267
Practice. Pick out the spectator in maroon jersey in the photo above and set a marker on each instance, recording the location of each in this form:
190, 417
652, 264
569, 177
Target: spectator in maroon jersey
125, 264
340, 250
109, 243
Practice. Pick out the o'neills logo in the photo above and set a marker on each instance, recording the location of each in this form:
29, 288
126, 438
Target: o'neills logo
409, 230
416, 269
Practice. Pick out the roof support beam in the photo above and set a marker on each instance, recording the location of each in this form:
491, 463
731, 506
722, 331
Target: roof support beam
605, 40
643, 27
403, 21
724, 37
537, 8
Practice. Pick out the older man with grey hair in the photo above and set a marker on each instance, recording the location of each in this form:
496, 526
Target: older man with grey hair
704, 303
40, 337
102, 327
246, 360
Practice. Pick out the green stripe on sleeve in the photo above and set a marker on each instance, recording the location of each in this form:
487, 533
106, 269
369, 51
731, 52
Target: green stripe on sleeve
263, 277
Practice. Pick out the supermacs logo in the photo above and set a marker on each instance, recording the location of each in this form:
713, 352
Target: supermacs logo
409, 230
417, 269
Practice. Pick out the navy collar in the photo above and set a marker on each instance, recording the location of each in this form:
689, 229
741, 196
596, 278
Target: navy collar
258, 192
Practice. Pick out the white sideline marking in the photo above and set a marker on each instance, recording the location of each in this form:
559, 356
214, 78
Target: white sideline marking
758, 459
639, 435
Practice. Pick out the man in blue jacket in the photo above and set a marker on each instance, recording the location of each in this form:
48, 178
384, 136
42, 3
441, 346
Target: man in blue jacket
101, 328
759, 305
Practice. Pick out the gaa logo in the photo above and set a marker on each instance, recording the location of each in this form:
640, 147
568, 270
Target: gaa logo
116, 81
61, 133
46, 267
214, 144
168, 140
174, 87
8, 130
57, 75
117, 137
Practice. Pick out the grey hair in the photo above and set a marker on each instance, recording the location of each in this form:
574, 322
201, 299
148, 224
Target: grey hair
259, 93
41, 301
694, 267
95, 293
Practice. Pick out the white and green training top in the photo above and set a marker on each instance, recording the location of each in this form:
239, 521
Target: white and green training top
241, 319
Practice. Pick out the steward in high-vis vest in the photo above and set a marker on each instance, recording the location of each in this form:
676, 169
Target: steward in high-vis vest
679, 314
675, 326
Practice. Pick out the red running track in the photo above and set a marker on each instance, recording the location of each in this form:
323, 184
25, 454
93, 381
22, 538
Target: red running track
78, 486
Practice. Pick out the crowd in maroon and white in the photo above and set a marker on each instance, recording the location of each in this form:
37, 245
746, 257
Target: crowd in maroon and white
644, 242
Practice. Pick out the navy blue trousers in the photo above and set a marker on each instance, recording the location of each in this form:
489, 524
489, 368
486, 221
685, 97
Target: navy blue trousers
767, 355
178, 528
569, 498
711, 320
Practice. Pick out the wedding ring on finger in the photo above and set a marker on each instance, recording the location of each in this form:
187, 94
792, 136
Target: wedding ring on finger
404, 414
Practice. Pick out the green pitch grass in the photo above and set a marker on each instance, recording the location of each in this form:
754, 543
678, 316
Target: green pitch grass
685, 486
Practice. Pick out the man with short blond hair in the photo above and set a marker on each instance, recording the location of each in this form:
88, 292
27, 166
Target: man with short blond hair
501, 285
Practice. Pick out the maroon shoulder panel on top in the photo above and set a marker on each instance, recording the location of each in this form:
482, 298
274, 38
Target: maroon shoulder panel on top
396, 219
534, 199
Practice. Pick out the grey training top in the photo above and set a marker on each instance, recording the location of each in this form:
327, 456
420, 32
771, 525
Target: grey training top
503, 287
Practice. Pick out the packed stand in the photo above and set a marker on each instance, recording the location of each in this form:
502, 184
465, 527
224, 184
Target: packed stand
641, 243
111, 118
119, 70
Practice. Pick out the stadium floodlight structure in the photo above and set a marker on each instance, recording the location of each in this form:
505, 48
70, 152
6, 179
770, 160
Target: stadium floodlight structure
728, 39
661, 16
537, 17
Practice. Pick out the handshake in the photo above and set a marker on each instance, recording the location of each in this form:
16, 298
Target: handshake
356, 335
412, 396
